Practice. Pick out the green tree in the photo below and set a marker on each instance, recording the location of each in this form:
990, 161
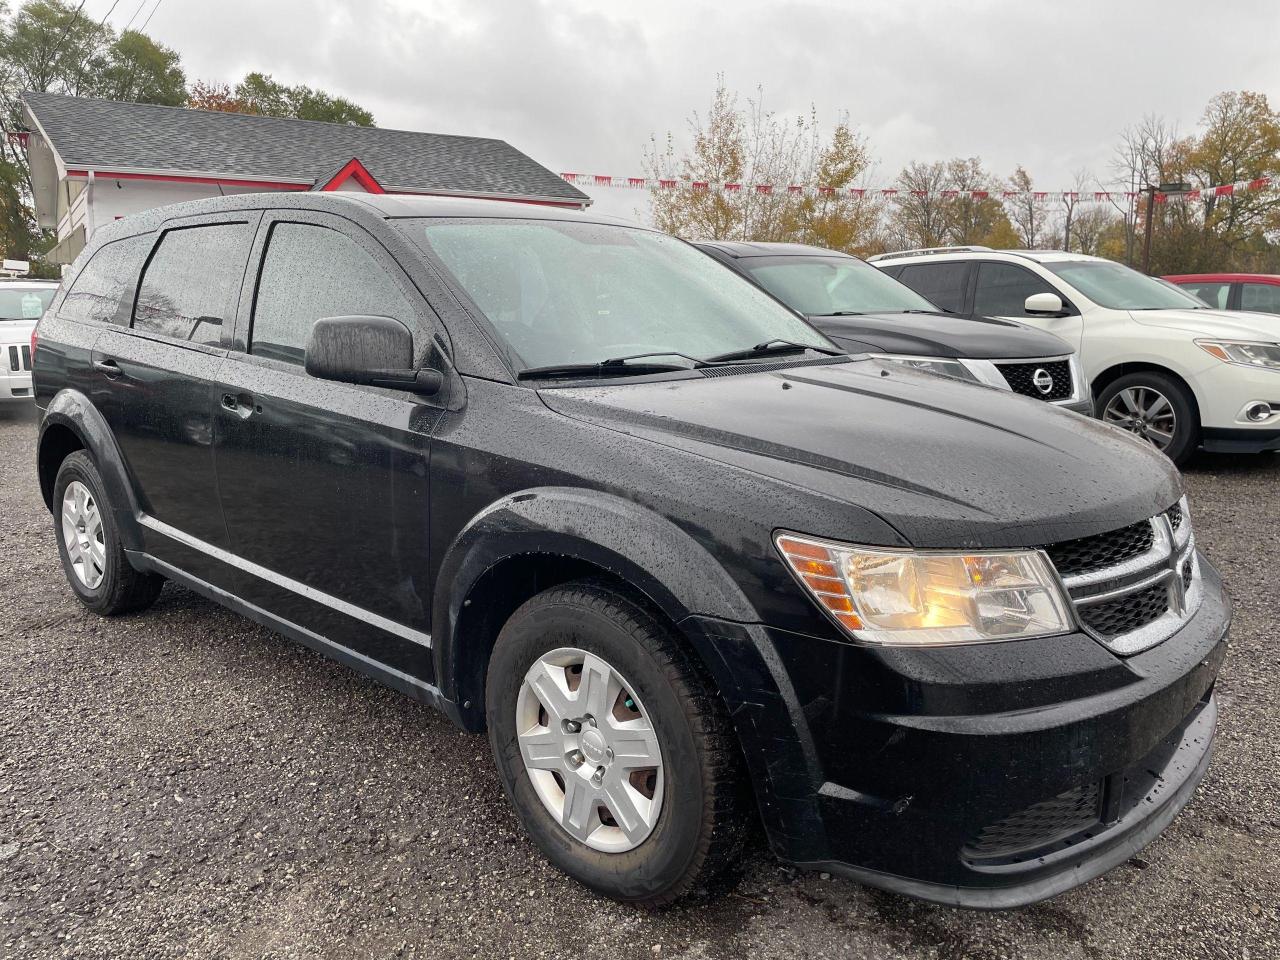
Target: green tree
136, 68
259, 93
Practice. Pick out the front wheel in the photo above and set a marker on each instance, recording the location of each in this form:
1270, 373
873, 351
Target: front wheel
1155, 408
616, 755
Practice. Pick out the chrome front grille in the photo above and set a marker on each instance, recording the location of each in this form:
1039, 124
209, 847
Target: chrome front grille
1135, 587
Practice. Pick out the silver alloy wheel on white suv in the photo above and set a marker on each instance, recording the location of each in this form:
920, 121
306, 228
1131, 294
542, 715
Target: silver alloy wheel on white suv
82, 534
1144, 412
590, 750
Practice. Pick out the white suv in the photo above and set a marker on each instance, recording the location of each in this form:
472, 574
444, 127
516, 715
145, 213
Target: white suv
22, 303
1161, 363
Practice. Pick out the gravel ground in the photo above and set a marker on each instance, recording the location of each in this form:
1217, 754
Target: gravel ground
185, 783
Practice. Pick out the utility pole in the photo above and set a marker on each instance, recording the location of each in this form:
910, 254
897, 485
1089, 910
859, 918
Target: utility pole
1150, 190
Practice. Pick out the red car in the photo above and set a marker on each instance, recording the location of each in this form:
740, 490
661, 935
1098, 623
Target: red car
1257, 292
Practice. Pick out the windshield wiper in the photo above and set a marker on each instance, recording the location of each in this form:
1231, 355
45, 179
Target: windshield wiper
771, 347
612, 367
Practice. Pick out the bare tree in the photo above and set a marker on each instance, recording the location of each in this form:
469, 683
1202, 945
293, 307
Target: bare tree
1027, 212
918, 213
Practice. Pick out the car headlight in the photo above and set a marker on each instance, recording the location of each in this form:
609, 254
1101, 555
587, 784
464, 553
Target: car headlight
941, 366
1249, 353
929, 598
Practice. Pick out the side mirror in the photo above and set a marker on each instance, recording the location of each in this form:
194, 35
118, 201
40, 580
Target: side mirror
1044, 305
377, 351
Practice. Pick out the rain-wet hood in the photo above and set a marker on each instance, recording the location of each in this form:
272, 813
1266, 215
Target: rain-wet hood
948, 464
940, 335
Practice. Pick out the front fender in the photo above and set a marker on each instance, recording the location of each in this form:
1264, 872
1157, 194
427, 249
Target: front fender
72, 410
623, 538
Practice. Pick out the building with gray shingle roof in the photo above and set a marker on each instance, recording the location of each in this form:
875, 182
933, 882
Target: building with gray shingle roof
97, 160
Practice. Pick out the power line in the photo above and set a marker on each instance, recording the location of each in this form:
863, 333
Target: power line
135, 16
150, 15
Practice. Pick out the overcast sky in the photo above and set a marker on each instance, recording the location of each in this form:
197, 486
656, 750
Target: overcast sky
581, 85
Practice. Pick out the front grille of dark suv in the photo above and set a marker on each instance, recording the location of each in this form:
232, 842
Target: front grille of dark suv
1102, 550
1038, 826
1133, 587
1021, 378
1130, 612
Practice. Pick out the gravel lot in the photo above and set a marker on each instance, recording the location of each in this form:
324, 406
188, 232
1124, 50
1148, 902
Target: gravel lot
186, 783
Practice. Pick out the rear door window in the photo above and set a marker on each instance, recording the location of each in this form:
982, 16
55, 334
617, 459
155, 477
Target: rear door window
1214, 294
1262, 297
310, 272
192, 282
105, 281
940, 283
1003, 288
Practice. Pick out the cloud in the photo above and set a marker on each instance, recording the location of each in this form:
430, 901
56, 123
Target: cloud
582, 86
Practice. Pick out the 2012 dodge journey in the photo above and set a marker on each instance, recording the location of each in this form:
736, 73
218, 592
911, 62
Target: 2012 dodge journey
687, 563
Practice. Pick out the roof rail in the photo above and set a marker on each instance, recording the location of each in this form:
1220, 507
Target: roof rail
927, 251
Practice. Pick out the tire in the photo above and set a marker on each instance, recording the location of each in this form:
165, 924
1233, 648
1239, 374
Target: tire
111, 586
1114, 409
700, 819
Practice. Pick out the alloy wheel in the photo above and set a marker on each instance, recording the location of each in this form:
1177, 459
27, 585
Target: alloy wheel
590, 750
82, 534
1145, 412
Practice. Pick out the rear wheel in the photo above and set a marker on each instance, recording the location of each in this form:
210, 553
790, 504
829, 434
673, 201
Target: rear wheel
89, 543
1156, 408
616, 754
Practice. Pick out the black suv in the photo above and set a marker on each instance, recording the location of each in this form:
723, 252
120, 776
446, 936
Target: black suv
575, 483
864, 310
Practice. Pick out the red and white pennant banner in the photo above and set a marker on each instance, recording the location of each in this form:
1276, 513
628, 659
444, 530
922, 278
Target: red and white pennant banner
810, 190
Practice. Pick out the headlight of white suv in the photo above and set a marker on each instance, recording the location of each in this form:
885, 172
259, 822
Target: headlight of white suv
1249, 353
941, 366
929, 598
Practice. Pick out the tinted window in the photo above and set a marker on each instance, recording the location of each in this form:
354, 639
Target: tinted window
105, 280
821, 286
1214, 294
940, 283
1263, 297
24, 303
191, 284
1003, 289
311, 272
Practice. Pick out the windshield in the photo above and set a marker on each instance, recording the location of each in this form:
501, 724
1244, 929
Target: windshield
565, 292
18, 303
822, 286
1119, 288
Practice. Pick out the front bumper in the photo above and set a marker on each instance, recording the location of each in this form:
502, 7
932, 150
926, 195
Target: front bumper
1082, 405
985, 776
1240, 439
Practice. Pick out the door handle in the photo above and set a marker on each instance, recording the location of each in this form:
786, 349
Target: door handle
241, 405
108, 368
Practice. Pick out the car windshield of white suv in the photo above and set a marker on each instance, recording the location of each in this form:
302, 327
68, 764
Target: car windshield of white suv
17, 303
833, 286
1117, 287
565, 293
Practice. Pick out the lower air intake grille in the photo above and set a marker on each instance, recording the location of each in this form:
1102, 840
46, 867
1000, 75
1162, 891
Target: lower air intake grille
1022, 379
1039, 825
1103, 550
1128, 613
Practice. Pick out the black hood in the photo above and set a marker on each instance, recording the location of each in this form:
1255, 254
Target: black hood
948, 464
941, 335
